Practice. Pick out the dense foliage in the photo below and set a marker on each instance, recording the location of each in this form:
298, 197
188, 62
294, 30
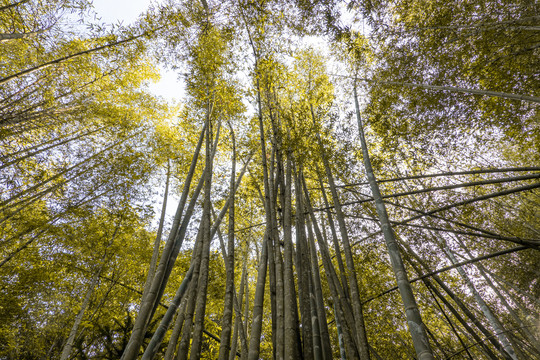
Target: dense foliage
346, 180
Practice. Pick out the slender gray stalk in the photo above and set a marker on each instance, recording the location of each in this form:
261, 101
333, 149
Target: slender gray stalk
414, 320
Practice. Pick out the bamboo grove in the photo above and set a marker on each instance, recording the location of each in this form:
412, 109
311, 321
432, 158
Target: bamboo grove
339, 180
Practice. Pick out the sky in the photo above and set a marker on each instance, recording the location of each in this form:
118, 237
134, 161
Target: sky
127, 11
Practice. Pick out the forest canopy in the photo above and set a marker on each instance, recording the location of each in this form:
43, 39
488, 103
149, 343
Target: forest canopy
337, 180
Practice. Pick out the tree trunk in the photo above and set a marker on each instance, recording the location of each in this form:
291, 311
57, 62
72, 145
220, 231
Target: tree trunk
342, 352
155, 254
225, 346
303, 272
318, 304
207, 239
238, 317
458, 316
335, 241
494, 322
446, 268
315, 328
450, 323
159, 334
256, 325
66, 351
149, 302
361, 337
338, 293
183, 346
245, 346
523, 327
290, 319
181, 232
175, 335
458, 301
414, 320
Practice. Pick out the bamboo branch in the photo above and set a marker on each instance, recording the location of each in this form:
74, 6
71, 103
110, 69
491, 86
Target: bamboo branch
6, 7
450, 267
483, 340
527, 98
451, 173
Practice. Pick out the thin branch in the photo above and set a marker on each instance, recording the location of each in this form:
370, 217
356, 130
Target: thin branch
452, 173
6, 7
450, 267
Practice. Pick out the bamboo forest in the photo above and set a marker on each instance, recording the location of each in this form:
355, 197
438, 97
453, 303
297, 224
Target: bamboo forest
328, 180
